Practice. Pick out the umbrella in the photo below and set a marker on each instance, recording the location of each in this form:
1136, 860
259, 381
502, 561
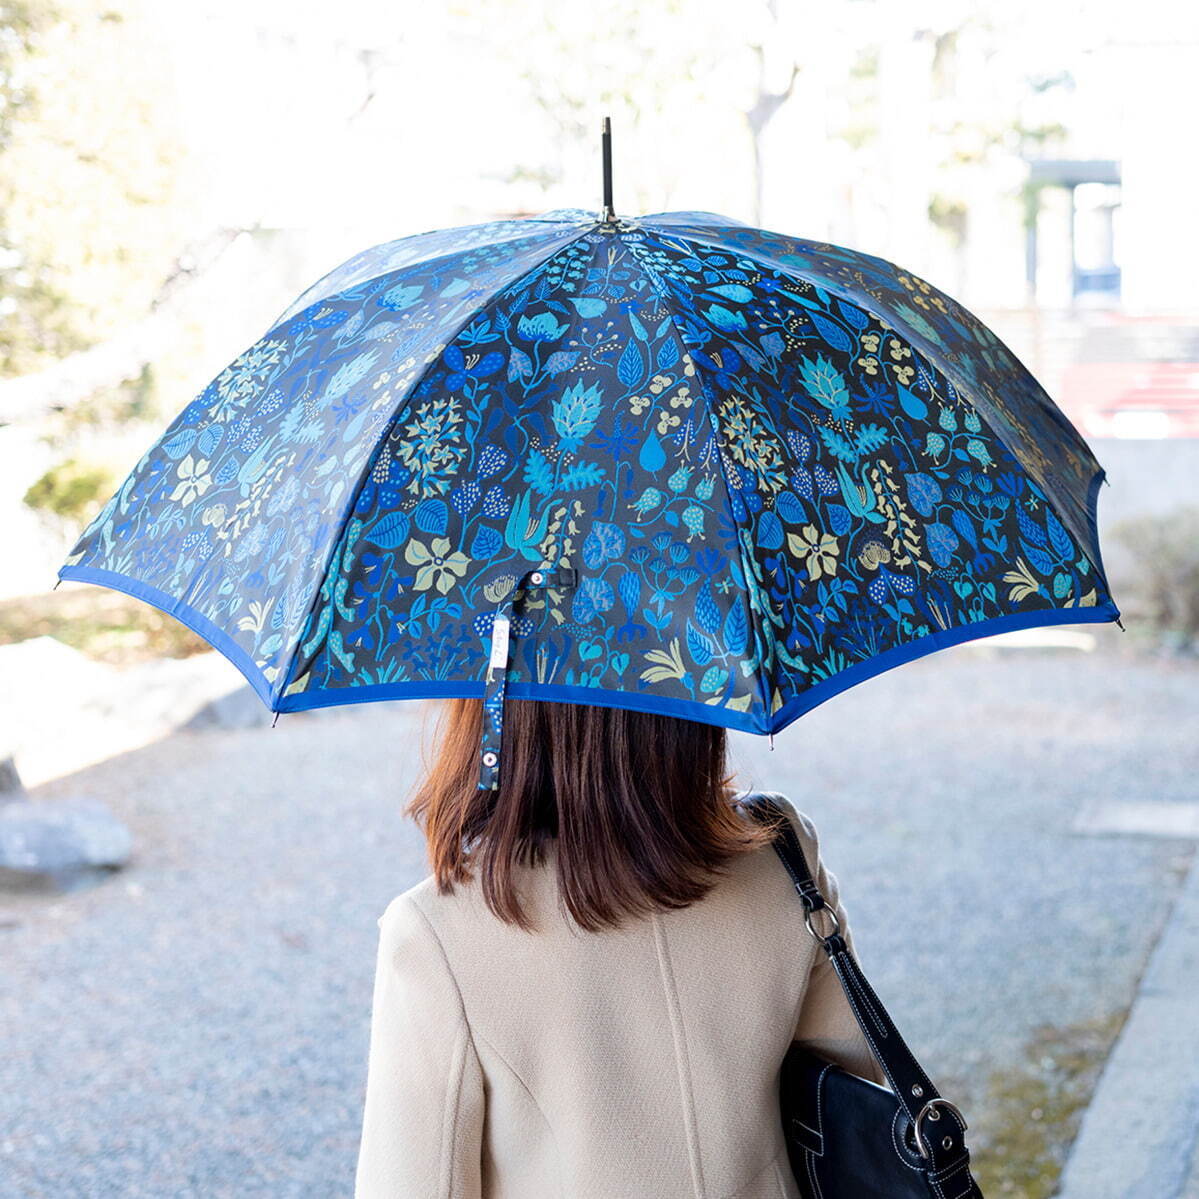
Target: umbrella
670, 463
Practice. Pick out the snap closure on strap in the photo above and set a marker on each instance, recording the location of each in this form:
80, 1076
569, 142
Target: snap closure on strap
495, 682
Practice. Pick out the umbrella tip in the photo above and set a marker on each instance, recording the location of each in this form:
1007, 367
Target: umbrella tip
609, 214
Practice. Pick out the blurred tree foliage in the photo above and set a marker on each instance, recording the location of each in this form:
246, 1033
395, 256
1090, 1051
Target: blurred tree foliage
70, 489
93, 216
629, 59
91, 210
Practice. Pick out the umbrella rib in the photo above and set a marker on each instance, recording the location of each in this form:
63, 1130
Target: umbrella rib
746, 570
296, 306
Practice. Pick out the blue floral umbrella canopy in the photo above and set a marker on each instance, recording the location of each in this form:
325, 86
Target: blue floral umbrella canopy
671, 463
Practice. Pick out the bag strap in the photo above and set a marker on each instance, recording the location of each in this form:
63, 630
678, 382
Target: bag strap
913, 1088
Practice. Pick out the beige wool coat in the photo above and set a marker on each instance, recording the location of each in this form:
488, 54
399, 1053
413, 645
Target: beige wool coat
640, 1063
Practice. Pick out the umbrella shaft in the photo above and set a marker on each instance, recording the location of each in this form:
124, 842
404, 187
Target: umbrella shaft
606, 141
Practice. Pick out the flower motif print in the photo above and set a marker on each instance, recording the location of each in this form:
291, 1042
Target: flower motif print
194, 480
438, 567
247, 374
431, 448
818, 551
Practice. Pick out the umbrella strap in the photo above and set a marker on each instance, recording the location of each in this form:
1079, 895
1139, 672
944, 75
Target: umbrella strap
497, 667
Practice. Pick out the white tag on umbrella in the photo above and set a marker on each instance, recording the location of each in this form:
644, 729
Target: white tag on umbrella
499, 645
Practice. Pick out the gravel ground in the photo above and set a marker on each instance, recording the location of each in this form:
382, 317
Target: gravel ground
197, 1024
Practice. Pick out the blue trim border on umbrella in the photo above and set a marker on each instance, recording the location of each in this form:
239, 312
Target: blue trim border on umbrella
818, 694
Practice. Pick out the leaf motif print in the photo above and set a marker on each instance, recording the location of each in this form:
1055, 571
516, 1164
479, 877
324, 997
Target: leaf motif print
1029, 529
629, 587
561, 361
390, 532
630, 369
431, 516
832, 333
852, 315
700, 646
539, 474
706, 612
576, 412
924, 492
605, 542
736, 630
1024, 583
942, 543
838, 444
592, 598
737, 292
589, 306
209, 439
665, 664
868, 438
1038, 557
789, 508
486, 544
1059, 539
965, 527
520, 365
580, 475
825, 384
770, 530
350, 373
911, 403
179, 444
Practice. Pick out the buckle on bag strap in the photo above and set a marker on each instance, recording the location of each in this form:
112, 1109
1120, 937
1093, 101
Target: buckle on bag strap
929, 1111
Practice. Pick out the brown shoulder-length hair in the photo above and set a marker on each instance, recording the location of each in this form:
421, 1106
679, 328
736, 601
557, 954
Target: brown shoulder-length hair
638, 806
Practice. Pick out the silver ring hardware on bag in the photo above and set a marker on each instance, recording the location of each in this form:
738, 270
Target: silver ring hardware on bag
832, 932
930, 1110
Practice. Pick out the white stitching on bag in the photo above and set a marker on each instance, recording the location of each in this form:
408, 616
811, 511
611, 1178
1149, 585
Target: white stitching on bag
963, 1164
811, 1161
864, 1000
820, 1105
895, 1140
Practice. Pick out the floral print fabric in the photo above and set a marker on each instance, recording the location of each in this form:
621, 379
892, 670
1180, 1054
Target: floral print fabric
774, 466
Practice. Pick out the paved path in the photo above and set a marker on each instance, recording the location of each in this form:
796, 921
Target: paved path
197, 1025
1148, 1096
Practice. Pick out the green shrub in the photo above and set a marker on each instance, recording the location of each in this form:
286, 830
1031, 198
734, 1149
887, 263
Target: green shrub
72, 489
1165, 582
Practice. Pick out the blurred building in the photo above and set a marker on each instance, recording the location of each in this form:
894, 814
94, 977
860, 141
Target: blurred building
1080, 249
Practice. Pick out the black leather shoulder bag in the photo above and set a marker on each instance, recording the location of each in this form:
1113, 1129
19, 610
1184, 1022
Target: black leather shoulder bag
848, 1137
